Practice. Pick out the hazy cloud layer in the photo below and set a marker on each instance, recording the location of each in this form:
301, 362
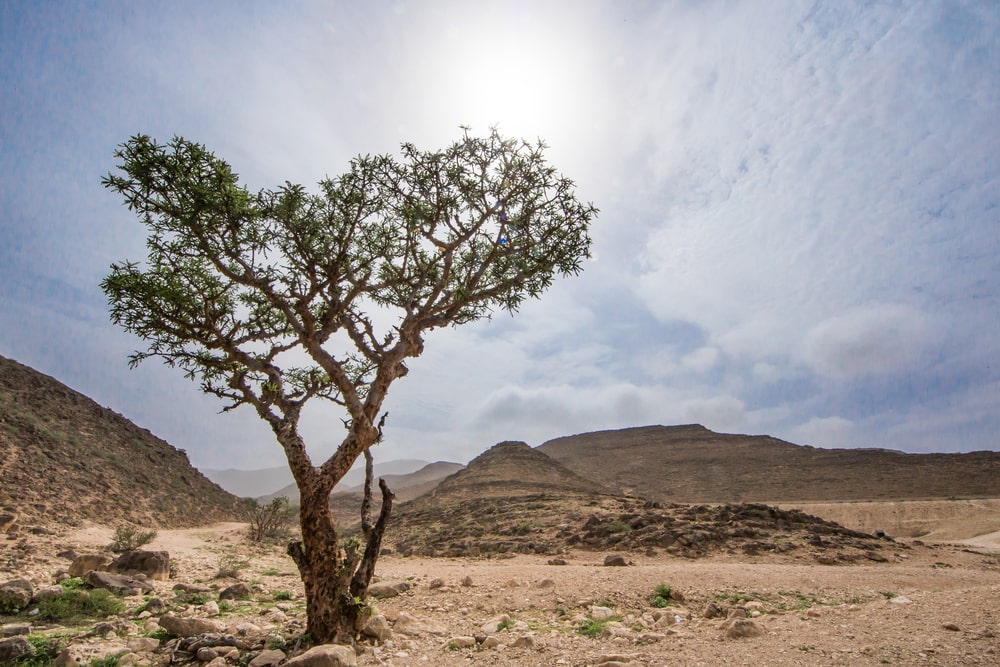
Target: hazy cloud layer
798, 231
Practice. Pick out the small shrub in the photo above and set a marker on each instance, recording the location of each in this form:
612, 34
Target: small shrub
72, 584
47, 649
283, 595
130, 538
522, 529
619, 527
505, 625
231, 565
661, 596
276, 643
270, 522
452, 646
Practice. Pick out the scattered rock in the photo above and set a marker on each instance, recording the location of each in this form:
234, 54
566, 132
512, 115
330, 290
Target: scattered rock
14, 648
153, 564
527, 641
901, 599
86, 654
238, 591
119, 583
388, 589
378, 628
436, 584
741, 628
713, 610
490, 642
952, 627
267, 658
208, 654
15, 629
84, 563
545, 583
556, 561
467, 581
142, 644
7, 522
327, 655
601, 613
187, 627
492, 626
408, 625
615, 560
48, 593
15, 595
876, 557
462, 642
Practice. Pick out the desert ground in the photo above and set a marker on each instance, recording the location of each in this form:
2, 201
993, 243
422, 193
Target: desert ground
929, 604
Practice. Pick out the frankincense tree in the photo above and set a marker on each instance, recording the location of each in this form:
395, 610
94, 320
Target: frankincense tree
275, 298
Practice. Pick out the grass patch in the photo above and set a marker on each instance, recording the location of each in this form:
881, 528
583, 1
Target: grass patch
661, 596
591, 627
283, 595
77, 605
47, 649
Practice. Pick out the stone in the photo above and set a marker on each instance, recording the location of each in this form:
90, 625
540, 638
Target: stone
84, 654
615, 560
378, 628
206, 654
238, 591
545, 583
901, 599
154, 605
467, 581
388, 589
142, 644
187, 627
210, 608
118, 583
876, 557
436, 584
131, 659
14, 648
15, 629
492, 626
741, 628
490, 642
267, 658
737, 612
153, 564
527, 641
408, 625
84, 563
614, 660
461, 642
7, 522
952, 627
601, 613
713, 610
15, 595
326, 655
48, 593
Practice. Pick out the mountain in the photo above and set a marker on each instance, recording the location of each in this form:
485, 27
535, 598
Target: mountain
692, 464
354, 480
64, 458
250, 483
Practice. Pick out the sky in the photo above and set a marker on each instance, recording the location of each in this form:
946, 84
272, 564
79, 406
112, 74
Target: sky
798, 235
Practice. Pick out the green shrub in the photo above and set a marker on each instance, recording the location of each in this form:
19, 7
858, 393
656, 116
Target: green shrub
129, 538
79, 604
47, 649
590, 627
283, 595
661, 596
231, 565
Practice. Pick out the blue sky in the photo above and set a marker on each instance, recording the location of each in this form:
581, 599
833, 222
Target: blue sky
799, 205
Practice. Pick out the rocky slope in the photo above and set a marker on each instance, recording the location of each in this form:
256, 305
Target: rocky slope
692, 464
65, 458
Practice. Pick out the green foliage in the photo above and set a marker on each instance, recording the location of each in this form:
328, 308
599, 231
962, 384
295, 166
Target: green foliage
73, 583
452, 646
47, 649
619, 527
130, 538
76, 605
106, 661
522, 529
661, 596
270, 522
505, 625
590, 627
283, 595
230, 565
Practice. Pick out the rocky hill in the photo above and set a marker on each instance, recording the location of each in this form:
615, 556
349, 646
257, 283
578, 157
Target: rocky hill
65, 458
691, 464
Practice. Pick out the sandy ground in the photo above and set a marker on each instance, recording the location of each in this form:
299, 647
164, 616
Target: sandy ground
811, 614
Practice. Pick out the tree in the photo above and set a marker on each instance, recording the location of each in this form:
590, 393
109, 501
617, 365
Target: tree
272, 299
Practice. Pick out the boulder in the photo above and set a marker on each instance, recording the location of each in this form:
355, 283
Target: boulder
388, 589
740, 628
615, 560
408, 625
7, 522
377, 628
238, 591
492, 626
15, 629
15, 595
85, 654
118, 583
14, 648
153, 564
268, 658
713, 610
48, 593
462, 641
83, 564
188, 627
326, 655
601, 613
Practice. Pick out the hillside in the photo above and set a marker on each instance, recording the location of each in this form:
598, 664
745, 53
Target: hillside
399, 473
691, 464
65, 458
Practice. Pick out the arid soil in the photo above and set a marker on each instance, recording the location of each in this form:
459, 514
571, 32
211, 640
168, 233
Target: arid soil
928, 605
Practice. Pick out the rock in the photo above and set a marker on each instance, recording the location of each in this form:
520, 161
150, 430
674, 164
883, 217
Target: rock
15, 629
436, 584
490, 642
14, 648
556, 561
85, 654
267, 658
239, 591
153, 564
326, 655
713, 610
142, 644
388, 589
492, 626
207, 654
15, 595
614, 629
952, 627
408, 625
210, 608
614, 660
737, 612
545, 583
48, 593
154, 605
378, 628
876, 557
127, 659
527, 641
615, 560
7, 522
601, 613
187, 627
467, 581
83, 564
901, 599
740, 628
118, 583
191, 588
461, 642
